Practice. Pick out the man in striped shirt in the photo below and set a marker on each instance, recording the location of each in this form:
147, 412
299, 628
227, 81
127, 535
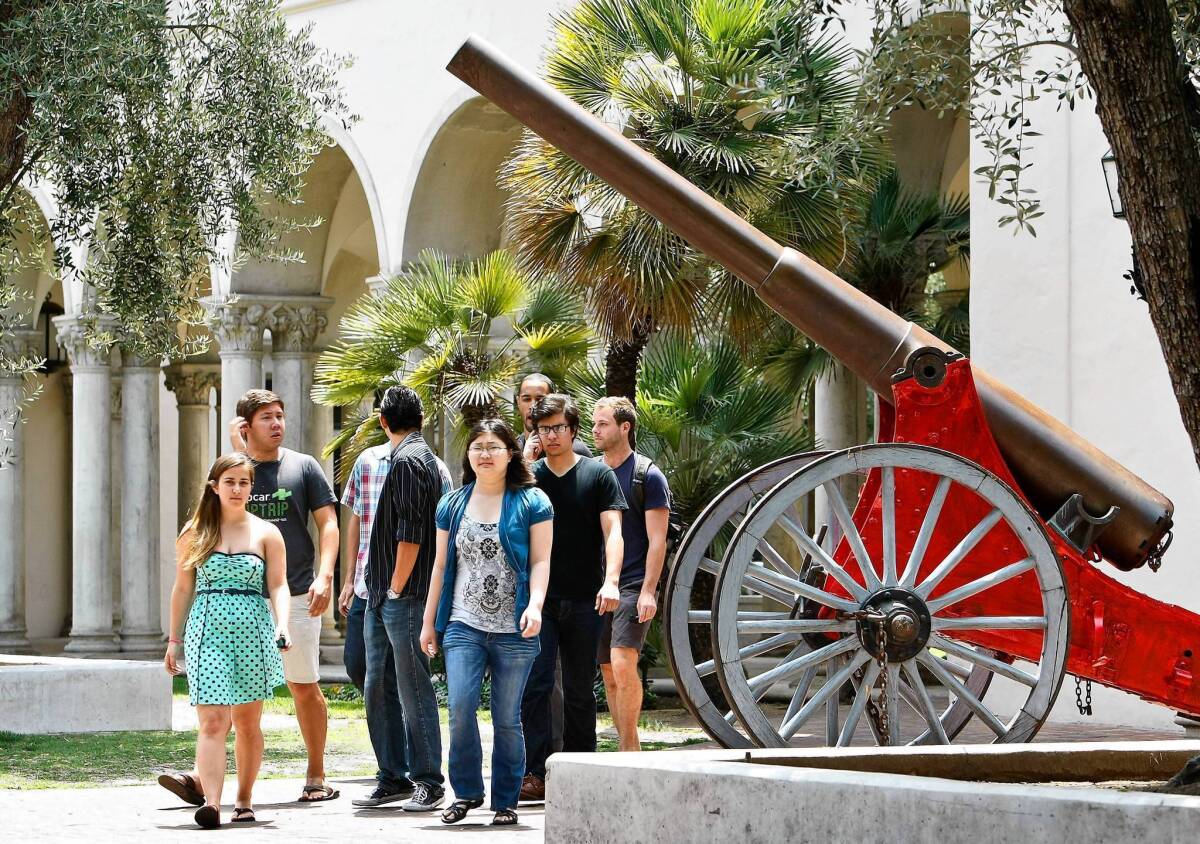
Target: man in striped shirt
399, 567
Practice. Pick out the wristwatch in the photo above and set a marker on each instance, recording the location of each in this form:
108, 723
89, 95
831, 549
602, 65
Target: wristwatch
392, 594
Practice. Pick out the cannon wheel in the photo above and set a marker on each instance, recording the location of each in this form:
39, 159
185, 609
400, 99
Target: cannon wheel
847, 659
714, 524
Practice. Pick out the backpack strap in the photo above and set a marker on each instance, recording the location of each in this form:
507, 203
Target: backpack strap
637, 485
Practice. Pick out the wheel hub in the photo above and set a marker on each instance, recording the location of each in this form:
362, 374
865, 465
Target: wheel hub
901, 617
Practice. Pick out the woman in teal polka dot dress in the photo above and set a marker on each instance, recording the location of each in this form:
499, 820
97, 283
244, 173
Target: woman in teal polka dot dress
225, 557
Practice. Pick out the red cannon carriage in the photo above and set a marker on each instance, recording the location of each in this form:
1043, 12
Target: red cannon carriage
971, 564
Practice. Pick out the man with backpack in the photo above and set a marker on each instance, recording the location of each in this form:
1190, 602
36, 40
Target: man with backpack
644, 529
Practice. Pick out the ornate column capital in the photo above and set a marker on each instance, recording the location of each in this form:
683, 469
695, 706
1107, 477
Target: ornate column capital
19, 344
191, 382
238, 324
76, 333
295, 326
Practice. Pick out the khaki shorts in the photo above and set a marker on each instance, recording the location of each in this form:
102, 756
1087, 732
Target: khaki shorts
302, 660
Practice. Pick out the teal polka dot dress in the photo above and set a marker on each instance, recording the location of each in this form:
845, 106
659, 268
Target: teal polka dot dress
229, 640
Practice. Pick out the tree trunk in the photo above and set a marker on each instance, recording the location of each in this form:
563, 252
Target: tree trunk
15, 111
622, 361
1146, 106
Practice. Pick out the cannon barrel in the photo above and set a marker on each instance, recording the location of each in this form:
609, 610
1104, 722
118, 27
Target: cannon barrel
1049, 460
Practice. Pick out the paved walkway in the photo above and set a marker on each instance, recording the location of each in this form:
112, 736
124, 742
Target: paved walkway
149, 813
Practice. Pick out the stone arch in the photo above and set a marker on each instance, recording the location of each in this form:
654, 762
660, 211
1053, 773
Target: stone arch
454, 204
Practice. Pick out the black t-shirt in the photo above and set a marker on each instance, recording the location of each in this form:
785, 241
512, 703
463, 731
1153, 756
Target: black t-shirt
579, 497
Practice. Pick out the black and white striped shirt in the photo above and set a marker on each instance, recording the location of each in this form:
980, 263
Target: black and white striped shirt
407, 504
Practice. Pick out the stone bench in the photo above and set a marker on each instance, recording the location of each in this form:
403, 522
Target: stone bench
40, 694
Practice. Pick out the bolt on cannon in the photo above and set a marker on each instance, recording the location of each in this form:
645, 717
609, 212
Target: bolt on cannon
970, 555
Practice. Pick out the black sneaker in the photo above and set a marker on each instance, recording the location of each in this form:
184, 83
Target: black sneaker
383, 795
425, 798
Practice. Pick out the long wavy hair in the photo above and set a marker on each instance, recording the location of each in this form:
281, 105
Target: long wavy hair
518, 474
205, 525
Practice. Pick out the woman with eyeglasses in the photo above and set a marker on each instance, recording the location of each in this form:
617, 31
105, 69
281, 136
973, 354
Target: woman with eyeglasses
485, 609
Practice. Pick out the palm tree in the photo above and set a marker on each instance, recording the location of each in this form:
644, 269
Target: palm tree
456, 332
900, 242
745, 99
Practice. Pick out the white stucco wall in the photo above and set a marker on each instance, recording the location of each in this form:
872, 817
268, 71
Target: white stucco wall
1053, 318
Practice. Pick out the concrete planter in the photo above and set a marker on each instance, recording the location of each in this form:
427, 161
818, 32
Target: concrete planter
871, 795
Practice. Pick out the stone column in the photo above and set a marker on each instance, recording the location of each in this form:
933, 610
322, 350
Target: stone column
839, 421
191, 383
141, 621
116, 487
321, 433
91, 472
239, 328
12, 498
294, 329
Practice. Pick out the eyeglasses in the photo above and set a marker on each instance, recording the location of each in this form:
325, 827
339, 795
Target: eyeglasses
488, 450
557, 430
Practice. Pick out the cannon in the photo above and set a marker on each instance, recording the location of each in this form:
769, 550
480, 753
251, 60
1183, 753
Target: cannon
968, 568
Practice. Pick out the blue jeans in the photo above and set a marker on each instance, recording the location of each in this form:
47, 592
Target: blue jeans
510, 657
405, 710
354, 653
570, 634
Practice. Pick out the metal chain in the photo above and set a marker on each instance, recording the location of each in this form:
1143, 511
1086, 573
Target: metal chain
1084, 705
884, 724
1154, 558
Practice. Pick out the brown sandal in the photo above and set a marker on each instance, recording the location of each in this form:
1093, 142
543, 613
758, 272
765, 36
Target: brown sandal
243, 814
183, 786
326, 792
208, 817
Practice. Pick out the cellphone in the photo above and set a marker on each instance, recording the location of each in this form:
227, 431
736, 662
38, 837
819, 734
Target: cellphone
281, 642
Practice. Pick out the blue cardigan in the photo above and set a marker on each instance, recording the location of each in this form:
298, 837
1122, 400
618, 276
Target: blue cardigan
520, 510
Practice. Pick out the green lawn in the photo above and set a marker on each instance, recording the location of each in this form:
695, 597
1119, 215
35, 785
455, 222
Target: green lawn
126, 758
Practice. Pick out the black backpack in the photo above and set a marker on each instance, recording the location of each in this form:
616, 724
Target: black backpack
637, 490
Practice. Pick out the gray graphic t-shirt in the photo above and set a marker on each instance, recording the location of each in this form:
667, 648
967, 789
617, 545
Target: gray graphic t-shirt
285, 492
485, 586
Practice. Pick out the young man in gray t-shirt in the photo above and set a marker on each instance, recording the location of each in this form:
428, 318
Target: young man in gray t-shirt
289, 488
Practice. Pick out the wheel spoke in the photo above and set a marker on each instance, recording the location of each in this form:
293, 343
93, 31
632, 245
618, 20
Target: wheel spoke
861, 697
776, 560
795, 625
986, 582
799, 587
970, 654
798, 698
842, 512
960, 551
807, 544
887, 492
832, 707
832, 684
893, 702
705, 616
962, 693
751, 650
709, 565
787, 670
991, 622
928, 524
926, 704
781, 595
